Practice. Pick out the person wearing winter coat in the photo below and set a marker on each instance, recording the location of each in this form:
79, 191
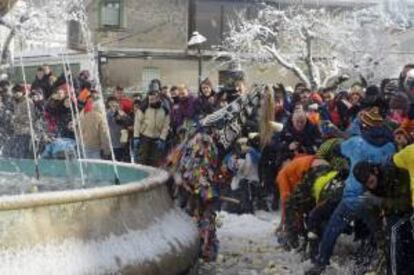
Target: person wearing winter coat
404, 135
326, 191
65, 120
206, 103
246, 183
388, 188
337, 107
118, 122
404, 159
6, 113
151, 127
94, 131
43, 81
398, 107
183, 113
125, 103
300, 135
288, 177
407, 81
282, 107
301, 201
57, 115
376, 145
20, 145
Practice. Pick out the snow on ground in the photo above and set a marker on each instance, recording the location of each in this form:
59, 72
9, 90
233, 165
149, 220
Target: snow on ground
248, 246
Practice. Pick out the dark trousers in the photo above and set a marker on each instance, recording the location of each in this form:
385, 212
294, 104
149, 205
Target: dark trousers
249, 194
320, 214
339, 221
148, 153
121, 154
19, 147
316, 221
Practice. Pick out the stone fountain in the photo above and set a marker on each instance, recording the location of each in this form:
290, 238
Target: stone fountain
131, 228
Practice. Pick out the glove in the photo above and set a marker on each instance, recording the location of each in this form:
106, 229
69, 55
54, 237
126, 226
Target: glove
160, 145
135, 143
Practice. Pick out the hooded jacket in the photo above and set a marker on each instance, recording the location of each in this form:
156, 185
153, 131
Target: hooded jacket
290, 175
405, 160
152, 123
358, 149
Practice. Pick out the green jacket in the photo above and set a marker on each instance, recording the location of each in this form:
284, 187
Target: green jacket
394, 187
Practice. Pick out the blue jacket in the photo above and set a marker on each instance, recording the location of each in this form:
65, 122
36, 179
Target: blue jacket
357, 149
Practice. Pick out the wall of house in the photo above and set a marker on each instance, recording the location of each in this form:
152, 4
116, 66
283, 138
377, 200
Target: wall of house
128, 72
145, 24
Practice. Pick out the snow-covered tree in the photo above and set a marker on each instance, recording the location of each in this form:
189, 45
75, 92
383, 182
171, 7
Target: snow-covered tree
37, 24
316, 44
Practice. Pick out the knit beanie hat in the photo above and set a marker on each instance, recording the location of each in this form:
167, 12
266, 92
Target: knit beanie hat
371, 117
399, 101
330, 151
372, 96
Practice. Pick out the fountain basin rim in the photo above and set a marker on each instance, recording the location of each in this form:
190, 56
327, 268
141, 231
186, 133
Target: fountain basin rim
155, 178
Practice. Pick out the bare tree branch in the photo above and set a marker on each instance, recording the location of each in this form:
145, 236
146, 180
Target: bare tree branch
297, 71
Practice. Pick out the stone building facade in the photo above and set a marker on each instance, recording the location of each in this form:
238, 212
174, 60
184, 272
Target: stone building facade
139, 40
149, 40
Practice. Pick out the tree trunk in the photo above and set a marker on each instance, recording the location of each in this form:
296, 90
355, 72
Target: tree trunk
5, 52
313, 71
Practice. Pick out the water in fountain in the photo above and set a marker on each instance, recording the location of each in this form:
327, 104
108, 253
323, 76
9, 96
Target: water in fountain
83, 20
29, 111
72, 10
76, 121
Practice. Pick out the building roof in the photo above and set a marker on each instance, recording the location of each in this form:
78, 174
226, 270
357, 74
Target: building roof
333, 3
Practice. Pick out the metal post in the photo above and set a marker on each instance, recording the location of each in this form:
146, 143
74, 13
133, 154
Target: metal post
200, 65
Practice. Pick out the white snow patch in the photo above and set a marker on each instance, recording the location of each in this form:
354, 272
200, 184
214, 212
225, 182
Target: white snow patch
248, 246
247, 226
106, 256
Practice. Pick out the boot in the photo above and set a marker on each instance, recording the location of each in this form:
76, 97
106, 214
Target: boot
317, 269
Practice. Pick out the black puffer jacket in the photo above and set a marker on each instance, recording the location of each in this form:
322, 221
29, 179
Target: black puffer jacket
309, 138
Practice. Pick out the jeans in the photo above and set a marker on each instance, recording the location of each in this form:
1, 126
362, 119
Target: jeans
342, 216
148, 153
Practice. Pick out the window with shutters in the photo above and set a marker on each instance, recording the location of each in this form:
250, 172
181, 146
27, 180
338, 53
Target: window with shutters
111, 13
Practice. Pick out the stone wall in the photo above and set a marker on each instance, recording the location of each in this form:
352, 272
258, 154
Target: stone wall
158, 24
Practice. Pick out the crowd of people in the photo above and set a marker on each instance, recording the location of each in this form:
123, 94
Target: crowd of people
335, 160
